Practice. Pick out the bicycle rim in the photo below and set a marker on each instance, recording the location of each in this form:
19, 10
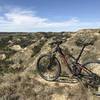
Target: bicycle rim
47, 70
92, 73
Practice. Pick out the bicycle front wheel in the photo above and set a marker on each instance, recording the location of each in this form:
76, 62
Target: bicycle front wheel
92, 73
48, 67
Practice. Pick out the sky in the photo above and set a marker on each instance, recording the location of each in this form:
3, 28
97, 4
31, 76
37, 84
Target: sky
48, 15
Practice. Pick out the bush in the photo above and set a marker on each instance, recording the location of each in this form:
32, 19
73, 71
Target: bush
5, 66
25, 42
85, 39
9, 52
38, 47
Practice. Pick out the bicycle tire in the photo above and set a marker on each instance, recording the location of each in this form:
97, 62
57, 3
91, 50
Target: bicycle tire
92, 73
57, 73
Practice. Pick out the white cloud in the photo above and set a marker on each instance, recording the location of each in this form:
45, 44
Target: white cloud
17, 19
26, 20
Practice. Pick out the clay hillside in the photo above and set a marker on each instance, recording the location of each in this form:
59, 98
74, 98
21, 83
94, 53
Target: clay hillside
19, 52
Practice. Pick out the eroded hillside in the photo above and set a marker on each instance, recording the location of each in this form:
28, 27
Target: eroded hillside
19, 79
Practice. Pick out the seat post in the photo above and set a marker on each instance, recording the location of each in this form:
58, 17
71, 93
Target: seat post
80, 53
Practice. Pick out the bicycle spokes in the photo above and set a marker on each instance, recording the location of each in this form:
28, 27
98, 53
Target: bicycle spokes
48, 68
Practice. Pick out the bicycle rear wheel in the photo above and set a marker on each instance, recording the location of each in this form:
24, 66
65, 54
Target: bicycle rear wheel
48, 67
91, 73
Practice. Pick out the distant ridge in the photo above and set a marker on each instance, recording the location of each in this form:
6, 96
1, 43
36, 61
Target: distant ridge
12, 33
89, 30
79, 31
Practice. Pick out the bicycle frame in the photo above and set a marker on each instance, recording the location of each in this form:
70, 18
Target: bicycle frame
65, 59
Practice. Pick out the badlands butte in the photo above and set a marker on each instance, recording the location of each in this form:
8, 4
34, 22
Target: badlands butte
19, 52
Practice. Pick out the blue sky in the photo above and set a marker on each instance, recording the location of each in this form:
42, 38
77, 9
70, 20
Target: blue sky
49, 15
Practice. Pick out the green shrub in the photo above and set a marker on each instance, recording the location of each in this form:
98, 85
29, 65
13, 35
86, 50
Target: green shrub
85, 39
9, 52
20, 61
5, 66
38, 47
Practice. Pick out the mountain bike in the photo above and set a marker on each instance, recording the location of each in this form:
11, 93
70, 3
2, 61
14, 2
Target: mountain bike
49, 67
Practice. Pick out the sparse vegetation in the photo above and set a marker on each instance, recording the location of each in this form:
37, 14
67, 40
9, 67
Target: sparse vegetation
84, 39
89, 57
18, 75
37, 48
9, 52
20, 62
5, 66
